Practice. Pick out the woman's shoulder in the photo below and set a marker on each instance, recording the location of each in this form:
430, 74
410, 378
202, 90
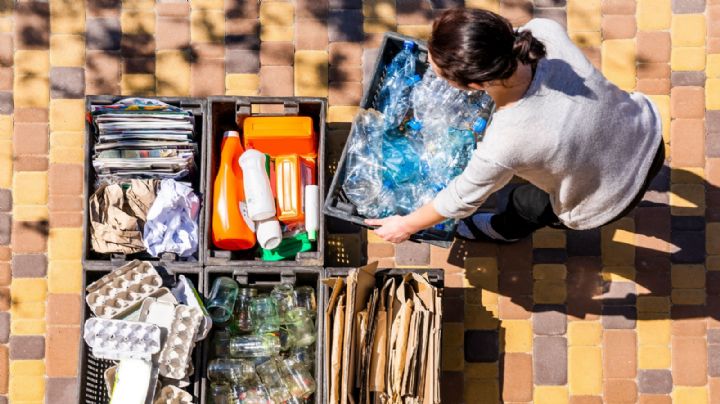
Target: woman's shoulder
544, 27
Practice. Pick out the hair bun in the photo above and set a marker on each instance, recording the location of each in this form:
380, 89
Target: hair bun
527, 48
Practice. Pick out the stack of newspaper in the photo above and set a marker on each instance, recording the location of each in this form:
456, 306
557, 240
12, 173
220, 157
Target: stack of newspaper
143, 138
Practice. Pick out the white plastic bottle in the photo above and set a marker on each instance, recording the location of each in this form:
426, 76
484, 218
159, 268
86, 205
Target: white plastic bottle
258, 194
269, 234
312, 211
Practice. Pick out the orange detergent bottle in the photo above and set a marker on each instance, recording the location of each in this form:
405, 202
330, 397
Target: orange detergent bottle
231, 229
292, 173
279, 135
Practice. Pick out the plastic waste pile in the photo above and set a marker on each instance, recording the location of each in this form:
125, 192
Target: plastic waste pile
150, 328
421, 136
263, 348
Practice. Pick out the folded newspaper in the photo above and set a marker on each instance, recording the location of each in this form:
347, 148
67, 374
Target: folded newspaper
143, 138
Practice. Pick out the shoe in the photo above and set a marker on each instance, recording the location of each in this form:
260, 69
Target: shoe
478, 228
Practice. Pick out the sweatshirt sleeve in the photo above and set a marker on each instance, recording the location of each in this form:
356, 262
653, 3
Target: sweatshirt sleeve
464, 194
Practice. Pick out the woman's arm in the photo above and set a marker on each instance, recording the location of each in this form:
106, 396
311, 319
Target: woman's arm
396, 229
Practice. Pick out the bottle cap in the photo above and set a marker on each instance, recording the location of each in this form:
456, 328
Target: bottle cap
414, 124
408, 45
269, 234
479, 125
312, 235
231, 133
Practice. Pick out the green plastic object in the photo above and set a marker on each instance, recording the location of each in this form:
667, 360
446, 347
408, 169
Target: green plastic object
288, 248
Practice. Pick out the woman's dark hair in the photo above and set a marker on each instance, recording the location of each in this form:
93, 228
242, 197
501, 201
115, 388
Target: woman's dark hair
476, 46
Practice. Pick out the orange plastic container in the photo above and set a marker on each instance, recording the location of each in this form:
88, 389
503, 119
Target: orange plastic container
230, 227
280, 135
292, 173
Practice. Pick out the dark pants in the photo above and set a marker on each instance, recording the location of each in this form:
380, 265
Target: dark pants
528, 207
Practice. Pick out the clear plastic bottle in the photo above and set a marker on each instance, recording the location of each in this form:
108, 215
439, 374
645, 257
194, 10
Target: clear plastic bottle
400, 77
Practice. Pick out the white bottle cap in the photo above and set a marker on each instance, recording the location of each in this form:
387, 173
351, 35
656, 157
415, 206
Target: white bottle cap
268, 233
312, 211
231, 133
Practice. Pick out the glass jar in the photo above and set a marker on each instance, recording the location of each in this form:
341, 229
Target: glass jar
264, 311
223, 394
284, 297
301, 326
273, 381
243, 318
254, 346
221, 301
305, 355
230, 371
297, 375
305, 298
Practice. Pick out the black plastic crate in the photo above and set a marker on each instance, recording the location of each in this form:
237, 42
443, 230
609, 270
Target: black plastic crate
435, 276
264, 279
92, 259
91, 380
222, 114
336, 203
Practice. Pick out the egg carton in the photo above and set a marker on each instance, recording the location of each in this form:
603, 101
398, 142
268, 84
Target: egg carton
120, 339
120, 292
176, 354
173, 395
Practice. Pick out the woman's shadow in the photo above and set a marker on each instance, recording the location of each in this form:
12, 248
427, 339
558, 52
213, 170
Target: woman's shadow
658, 263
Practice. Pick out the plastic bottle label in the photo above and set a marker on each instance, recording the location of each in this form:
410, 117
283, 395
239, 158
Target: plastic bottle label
246, 217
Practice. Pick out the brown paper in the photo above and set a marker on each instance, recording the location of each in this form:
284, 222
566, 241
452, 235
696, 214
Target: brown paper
117, 217
338, 287
337, 350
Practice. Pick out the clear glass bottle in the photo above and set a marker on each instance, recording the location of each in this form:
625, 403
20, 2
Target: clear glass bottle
299, 377
305, 355
230, 371
301, 326
264, 311
273, 381
254, 346
243, 318
305, 298
221, 301
223, 394
283, 295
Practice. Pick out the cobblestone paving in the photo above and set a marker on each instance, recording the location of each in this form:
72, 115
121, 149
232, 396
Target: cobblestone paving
627, 313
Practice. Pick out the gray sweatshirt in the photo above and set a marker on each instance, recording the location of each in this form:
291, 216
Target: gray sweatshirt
574, 135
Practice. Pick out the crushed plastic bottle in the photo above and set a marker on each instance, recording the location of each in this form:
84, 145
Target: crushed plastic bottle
400, 77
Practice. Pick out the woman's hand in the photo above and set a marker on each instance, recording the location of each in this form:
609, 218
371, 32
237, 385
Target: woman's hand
394, 229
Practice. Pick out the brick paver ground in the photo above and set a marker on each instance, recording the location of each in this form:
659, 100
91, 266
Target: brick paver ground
627, 313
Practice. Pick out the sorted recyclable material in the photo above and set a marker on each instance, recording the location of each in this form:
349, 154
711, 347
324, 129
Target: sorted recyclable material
117, 216
382, 343
421, 136
154, 350
265, 353
171, 223
143, 138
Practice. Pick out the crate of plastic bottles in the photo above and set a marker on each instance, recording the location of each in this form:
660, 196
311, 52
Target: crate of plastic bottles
413, 135
288, 135
96, 375
119, 151
265, 343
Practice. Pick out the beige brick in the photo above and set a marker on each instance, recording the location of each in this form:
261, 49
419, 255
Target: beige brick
173, 73
30, 188
518, 335
481, 272
30, 81
27, 326
378, 26
712, 94
343, 113
383, 11
688, 276
67, 17
618, 62
242, 84
687, 199
67, 50
311, 73
6, 24
277, 33
474, 388
654, 357
694, 297
64, 276
585, 370
138, 4
68, 155
27, 382
688, 30
137, 21
653, 332
67, 115
416, 31
211, 4
65, 244
654, 15
584, 333
138, 84
712, 66
549, 292
687, 59
588, 39
492, 5
277, 13
67, 139
207, 26
653, 304
690, 395
6, 127
663, 105
712, 263
619, 273
30, 213
549, 271
6, 164
584, 15
549, 238
480, 370
618, 243
712, 237
28, 298
687, 175
550, 395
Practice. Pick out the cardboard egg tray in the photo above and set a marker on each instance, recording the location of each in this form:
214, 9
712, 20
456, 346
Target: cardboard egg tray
120, 339
177, 352
173, 395
121, 291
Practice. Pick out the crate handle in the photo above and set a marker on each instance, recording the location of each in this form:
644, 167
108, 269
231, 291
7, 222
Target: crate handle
262, 278
243, 109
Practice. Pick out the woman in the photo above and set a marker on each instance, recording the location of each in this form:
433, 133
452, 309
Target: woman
588, 149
